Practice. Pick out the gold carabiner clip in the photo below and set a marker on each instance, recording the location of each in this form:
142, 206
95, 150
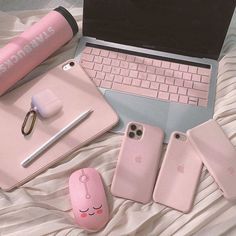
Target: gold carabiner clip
27, 129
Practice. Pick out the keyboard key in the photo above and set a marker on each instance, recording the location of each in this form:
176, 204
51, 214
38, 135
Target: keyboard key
109, 77
156, 63
188, 84
98, 67
169, 72
183, 99
179, 82
163, 95
160, 71
106, 69
183, 68
192, 69
104, 53
174, 97
164, 87
142, 67
193, 99
124, 64
170, 80
100, 75
173, 89
133, 66
201, 86
136, 82
160, 79
178, 74
151, 69
145, 84
127, 80
154, 85
204, 71
165, 64
107, 61
96, 51
118, 78
133, 74
135, 90
142, 75
197, 93
130, 58
124, 72
187, 76
98, 59
115, 70
115, 62
196, 77
205, 79
174, 66
121, 56
139, 60
106, 84
148, 61
113, 55
182, 91
151, 77
192, 102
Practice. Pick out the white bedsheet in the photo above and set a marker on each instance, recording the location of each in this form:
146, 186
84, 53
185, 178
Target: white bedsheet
42, 206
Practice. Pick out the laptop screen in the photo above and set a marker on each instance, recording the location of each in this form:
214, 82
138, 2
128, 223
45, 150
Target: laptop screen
188, 27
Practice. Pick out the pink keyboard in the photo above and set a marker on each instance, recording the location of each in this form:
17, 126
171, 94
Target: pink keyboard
149, 77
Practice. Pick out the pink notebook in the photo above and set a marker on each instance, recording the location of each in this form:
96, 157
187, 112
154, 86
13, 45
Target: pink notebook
78, 94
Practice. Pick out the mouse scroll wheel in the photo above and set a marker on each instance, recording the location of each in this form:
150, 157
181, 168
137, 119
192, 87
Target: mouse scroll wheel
83, 178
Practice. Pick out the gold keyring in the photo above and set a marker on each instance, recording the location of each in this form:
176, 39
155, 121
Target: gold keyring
30, 115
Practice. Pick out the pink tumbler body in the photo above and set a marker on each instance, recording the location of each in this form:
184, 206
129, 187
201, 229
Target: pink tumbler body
33, 46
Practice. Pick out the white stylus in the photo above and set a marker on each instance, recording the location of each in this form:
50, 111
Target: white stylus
54, 138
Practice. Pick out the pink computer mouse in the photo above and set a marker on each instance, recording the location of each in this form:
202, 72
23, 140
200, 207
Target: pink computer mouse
88, 199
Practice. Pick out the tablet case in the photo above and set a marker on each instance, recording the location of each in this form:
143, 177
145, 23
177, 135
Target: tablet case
78, 94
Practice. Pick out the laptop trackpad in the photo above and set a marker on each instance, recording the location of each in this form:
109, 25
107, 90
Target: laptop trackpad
135, 108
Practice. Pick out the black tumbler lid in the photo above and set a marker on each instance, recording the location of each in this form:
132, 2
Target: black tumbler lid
71, 20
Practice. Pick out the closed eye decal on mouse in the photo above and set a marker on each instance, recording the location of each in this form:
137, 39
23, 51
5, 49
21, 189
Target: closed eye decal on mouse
98, 210
84, 211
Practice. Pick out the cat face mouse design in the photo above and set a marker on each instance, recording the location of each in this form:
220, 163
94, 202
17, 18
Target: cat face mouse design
88, 199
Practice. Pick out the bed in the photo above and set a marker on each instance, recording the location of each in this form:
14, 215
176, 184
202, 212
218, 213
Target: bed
42, 206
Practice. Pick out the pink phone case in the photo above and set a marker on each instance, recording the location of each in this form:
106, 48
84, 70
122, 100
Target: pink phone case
138, 162
217, 153
179, 174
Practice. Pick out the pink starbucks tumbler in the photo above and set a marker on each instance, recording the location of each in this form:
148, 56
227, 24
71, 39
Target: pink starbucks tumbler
33, 46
